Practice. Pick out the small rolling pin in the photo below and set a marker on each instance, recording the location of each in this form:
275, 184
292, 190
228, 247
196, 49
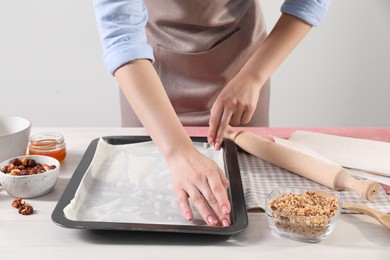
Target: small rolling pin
330, 175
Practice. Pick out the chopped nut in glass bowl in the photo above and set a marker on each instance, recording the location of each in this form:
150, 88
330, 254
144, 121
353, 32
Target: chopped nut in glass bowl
302, 214
29, 176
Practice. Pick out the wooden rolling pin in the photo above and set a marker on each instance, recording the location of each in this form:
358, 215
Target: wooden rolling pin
330, 175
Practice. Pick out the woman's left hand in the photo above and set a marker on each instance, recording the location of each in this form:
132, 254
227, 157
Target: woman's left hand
237, 102
234, 106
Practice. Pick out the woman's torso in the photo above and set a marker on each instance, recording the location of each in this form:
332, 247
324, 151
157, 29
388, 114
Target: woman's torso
199, 45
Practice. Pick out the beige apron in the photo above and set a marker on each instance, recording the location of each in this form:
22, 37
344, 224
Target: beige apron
199, 45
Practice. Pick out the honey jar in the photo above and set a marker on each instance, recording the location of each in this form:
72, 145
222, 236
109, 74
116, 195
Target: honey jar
49, 144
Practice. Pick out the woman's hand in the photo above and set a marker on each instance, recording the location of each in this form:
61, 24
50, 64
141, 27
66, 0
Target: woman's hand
194, 175
237, 101
199, 179
234, 106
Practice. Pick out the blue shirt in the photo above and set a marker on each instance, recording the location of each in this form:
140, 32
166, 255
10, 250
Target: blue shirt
122, 23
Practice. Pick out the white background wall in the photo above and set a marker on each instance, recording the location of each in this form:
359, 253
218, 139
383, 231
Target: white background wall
51, 69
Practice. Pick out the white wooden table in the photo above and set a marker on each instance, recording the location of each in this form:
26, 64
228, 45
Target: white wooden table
37, 237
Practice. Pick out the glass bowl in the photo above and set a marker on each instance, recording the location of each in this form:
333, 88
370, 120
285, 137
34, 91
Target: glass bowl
302, 214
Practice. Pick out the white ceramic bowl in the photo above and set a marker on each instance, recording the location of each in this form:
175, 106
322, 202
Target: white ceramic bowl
14, 136
30, 186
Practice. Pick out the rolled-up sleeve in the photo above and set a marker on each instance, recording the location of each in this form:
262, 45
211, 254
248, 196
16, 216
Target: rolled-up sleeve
310, 11
121, 25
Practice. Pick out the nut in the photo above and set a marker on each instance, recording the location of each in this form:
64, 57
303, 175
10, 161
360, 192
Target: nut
17, 203
26, 210
24, 161
25, 166
308, 204
22, 206
16, 162
15, 172
306, 214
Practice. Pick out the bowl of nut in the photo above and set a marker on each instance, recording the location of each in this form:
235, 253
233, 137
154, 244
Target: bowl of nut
302, 214
29, 176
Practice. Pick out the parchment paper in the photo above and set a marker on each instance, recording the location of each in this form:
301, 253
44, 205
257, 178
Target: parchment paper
360, 154
131, 183
347, 163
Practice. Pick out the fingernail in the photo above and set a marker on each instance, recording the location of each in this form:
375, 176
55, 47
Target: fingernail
188, 216
210, 140
225, 223
217, 146
225, 210
211, 220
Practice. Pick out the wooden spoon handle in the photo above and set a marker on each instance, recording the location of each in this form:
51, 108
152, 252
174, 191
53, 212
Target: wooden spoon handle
383, 218
362, 209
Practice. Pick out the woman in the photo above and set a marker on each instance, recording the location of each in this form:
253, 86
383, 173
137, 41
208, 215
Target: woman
197, 62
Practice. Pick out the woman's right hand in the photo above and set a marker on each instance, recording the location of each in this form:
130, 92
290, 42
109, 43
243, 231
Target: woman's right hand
194, 175
199, 179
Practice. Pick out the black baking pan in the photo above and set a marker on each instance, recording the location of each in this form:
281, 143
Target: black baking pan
239, 218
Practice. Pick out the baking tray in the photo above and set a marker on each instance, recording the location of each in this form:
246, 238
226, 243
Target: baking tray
239, 218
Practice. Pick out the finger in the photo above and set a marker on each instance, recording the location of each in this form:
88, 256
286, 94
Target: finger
216, 196
215, 117
185, 205
237, 116
218, 192
223, 123
225, 181
212, 202
201, 205
247, 116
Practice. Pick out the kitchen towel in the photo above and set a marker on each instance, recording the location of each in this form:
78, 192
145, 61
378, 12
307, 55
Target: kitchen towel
260, 177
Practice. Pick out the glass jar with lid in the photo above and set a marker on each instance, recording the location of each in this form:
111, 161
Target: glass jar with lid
49, 144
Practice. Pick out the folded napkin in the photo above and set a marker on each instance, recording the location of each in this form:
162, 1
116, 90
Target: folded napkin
371, 158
